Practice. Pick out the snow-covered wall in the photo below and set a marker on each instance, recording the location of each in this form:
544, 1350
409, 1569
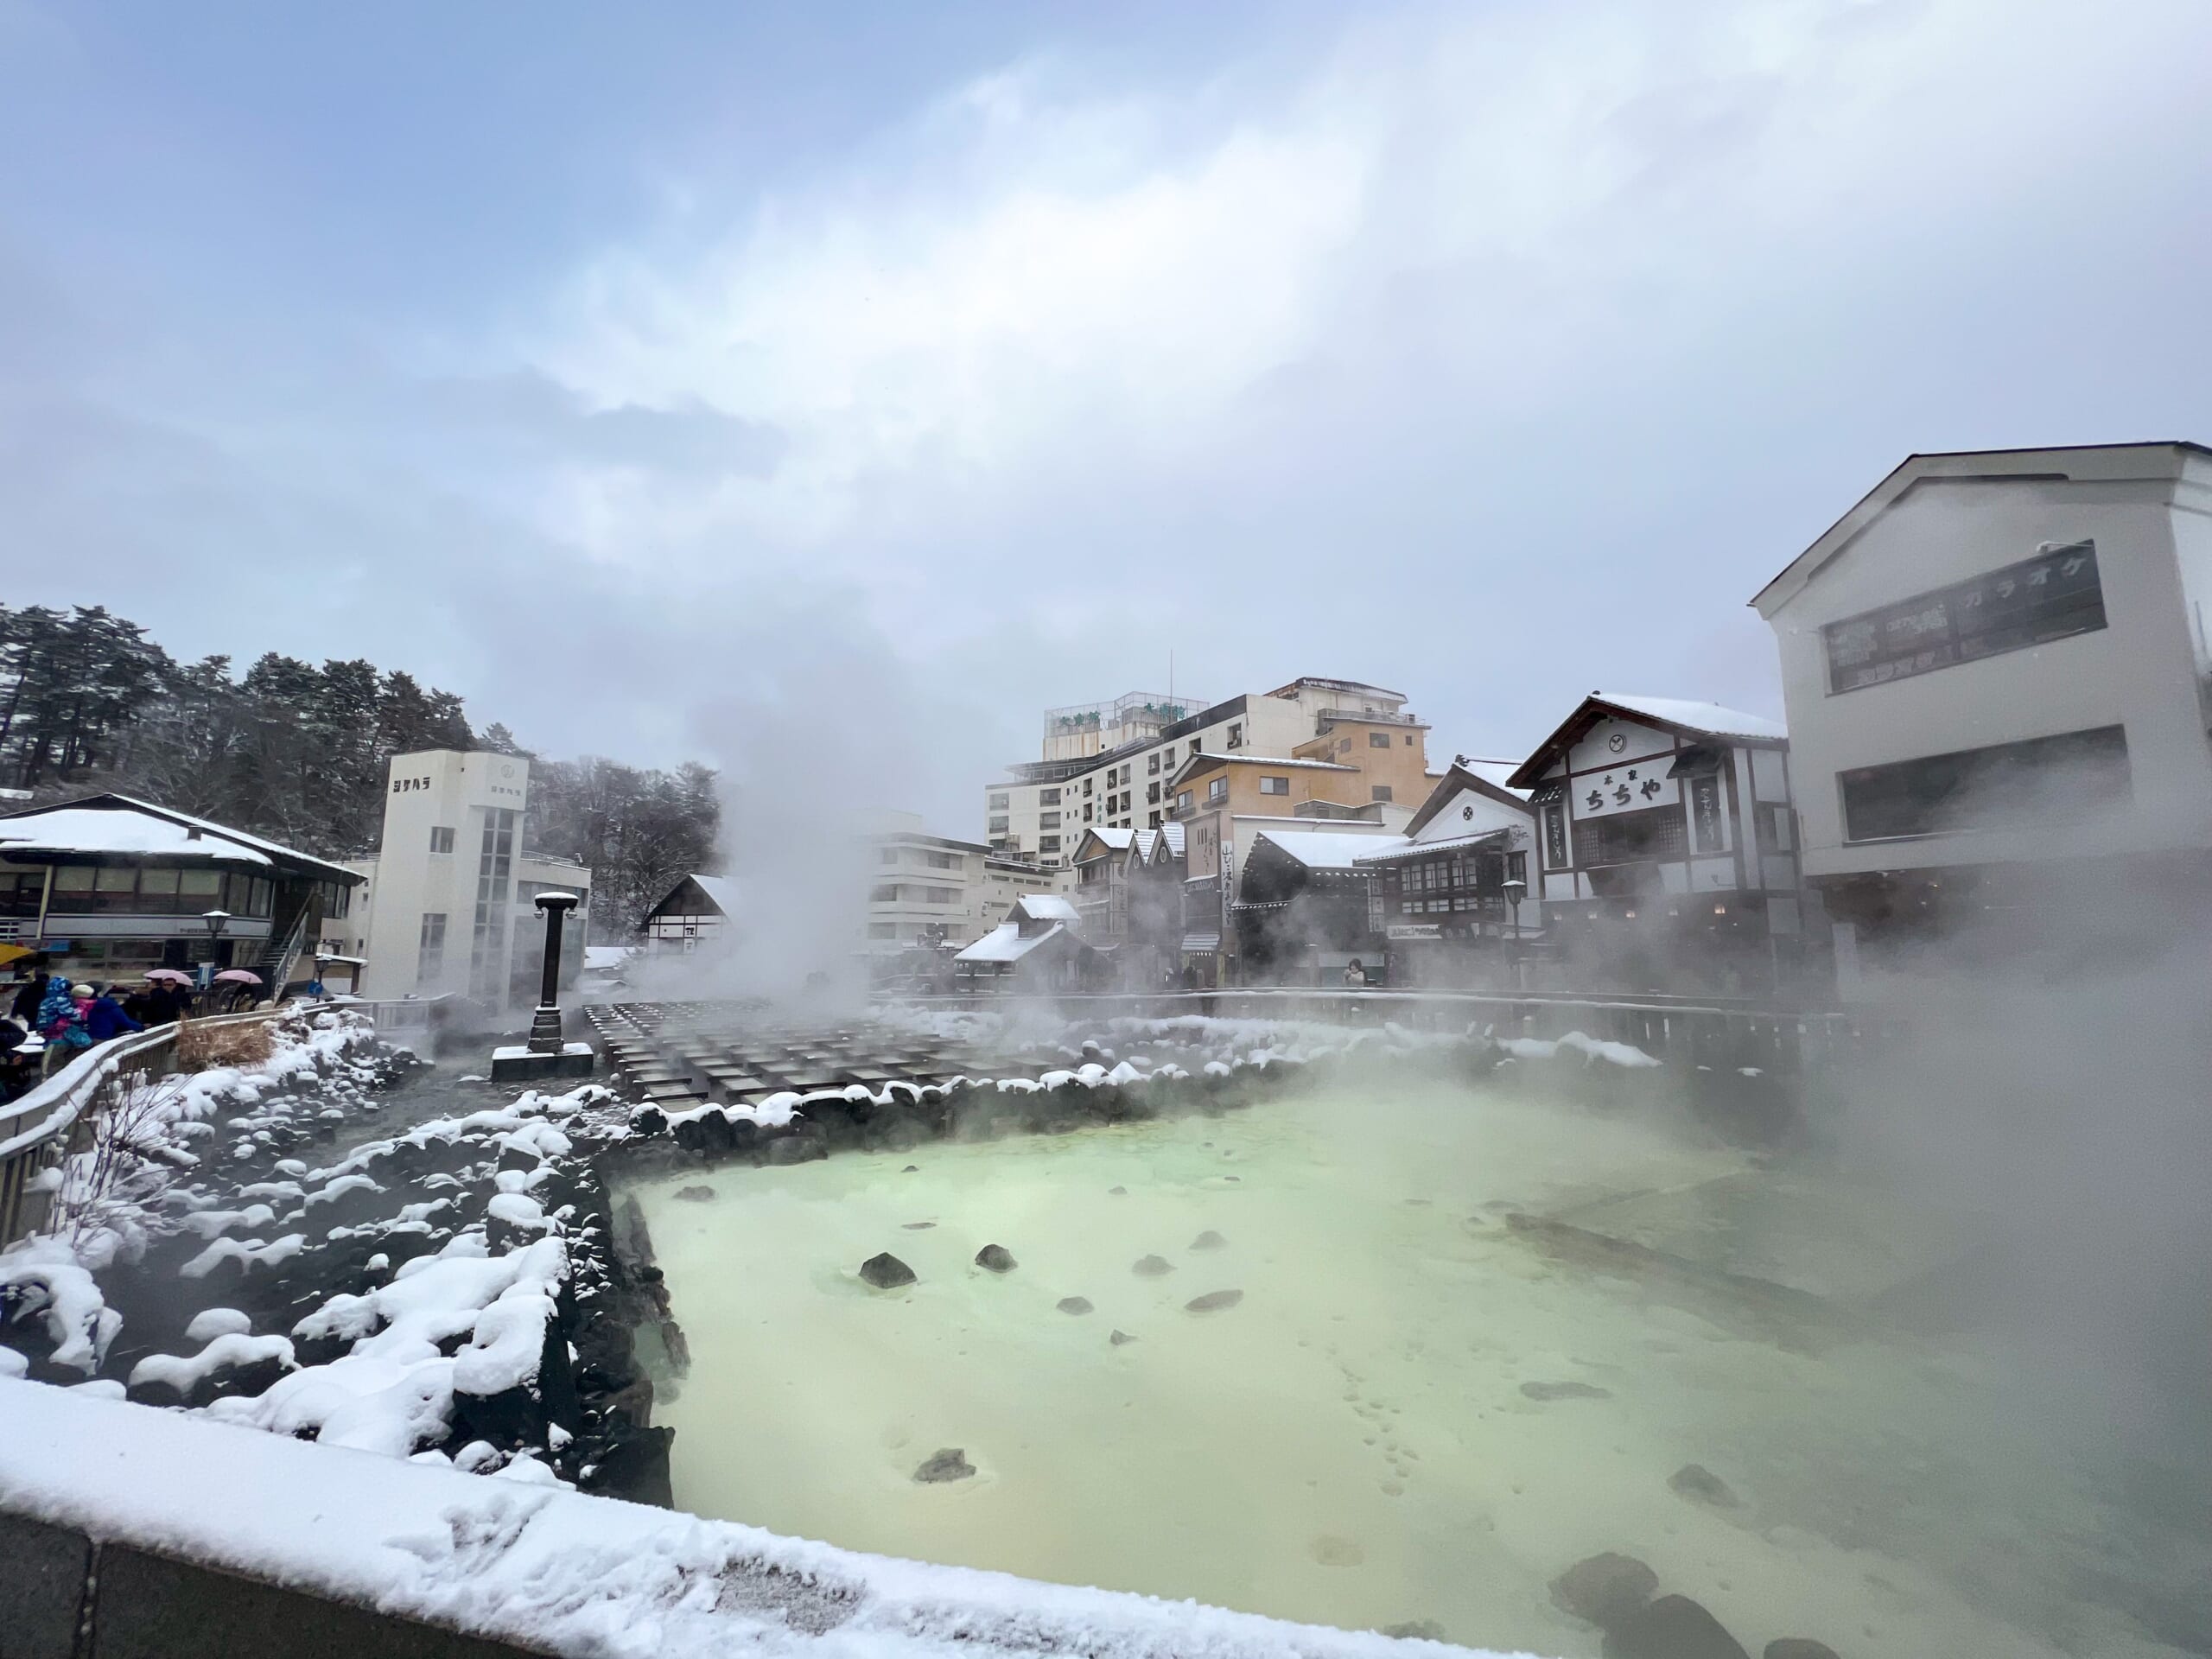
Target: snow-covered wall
555, 1571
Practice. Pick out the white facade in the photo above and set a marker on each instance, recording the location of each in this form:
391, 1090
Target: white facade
930, 889
1641, 799
1978, 601
447, 907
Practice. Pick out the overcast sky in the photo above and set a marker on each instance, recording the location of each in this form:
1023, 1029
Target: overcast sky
654, 375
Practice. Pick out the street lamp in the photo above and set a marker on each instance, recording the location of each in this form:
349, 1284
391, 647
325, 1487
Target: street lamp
1515, 889
217, 920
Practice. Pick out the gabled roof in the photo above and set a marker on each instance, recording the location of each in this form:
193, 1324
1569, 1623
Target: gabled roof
1449, 843
2071, 462
1171, 842
719, 891
1110, 837
1047, 907
120, 823
1326, 850
1005, 943
1706, 720
1483, 777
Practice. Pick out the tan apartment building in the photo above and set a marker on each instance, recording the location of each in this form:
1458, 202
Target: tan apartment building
1364, 771
1113, 764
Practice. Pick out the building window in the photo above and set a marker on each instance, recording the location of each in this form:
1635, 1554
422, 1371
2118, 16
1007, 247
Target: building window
890, 855
940, 895
1195, 746
1152, 763
1380, 739
487, 956
1274, 786
997, 828
1658, 832
1153, 821
1167, 757
1236, 736
997, 802
2044, 780
1048, 820
1048, 797
1217, 790
1379, 792
1048, 843
441, 838
943, 861
1151, 793
1772, 825
1086, 786
430, 950
1087, 810
883, 930
1344, 745
884, 893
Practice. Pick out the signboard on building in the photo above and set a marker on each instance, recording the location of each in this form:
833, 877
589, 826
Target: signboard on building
2049, 597
1625, 789
1399, 931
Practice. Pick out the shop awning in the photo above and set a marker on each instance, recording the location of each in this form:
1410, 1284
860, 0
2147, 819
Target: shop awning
1698, 761
1545, 794
1201, 944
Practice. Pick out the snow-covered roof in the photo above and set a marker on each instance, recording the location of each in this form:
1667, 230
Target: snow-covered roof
1173, 834
1708, 719
607, 955
1005, 943
1273, 760
1116, 836
1494, 772
1328, 849
722, 889
1046, 907
1418, 848
91, 830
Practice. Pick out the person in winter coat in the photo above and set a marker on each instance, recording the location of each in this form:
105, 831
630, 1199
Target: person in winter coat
31, 994
105, 1018
60, 1020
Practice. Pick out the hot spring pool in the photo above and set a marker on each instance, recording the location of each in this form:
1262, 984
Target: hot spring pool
1413, 1416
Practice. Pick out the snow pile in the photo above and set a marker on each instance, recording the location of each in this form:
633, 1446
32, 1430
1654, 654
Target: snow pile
1593, 1049
519, 1561
393, 1392
223, 1352
41, 1277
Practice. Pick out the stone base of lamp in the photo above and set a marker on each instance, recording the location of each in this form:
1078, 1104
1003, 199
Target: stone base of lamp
520, 1063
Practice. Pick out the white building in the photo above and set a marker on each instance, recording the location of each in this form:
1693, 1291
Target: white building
1995, 660
448, 906
1665, 844
1113, 770
929, 891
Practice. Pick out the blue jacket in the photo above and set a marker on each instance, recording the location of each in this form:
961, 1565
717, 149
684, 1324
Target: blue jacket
106, 1019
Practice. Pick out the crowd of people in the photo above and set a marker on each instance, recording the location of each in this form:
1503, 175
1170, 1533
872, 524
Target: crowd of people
52, 1018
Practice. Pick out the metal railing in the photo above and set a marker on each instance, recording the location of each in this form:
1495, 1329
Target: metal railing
60, 1115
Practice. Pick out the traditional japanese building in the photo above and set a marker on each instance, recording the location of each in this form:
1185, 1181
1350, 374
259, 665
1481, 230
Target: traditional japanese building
105, 888
1449, 917
1666, 845
1306, 909
1037, 950
697, 912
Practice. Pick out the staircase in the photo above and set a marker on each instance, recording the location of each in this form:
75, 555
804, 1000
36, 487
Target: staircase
287, 939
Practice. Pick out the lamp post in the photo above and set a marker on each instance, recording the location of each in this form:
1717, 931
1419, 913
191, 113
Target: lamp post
217, 920
545, 1024
1515, 889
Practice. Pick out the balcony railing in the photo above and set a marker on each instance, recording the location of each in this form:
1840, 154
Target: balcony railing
1326, 716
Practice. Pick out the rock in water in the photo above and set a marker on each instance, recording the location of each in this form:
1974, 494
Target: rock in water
918, 1226
1117, 1191
912, 1169
1151, 1267
1075, 1305
887, 1272
1673, 1627
1420, 1629
694, 1194
1604, 1589
1121, 1337
1209, 1240
1565, 1391
1214, 1299
1799, 1647
996, 1257
1695, 1480
950, 1464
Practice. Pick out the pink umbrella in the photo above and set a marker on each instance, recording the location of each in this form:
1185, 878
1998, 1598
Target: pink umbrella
237, 976
169, 974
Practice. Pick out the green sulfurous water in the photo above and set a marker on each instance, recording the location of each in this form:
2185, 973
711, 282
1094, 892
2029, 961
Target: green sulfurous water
1375, 1433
